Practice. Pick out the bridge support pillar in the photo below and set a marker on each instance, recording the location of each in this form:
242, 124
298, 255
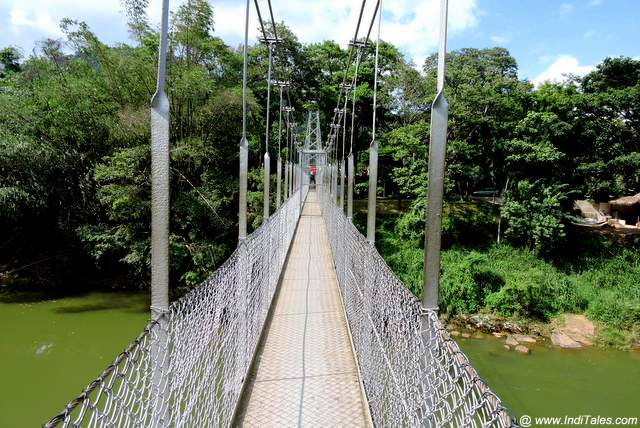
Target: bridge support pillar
437, 153
160, 187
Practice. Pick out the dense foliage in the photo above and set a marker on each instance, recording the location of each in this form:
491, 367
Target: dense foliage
75, 179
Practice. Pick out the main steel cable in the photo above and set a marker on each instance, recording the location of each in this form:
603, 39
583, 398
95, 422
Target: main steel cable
373, 19
264, 33
244, 74
348, 64
353, 100
273, 21
375, 78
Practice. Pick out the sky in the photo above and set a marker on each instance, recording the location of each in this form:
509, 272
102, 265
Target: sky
548, 38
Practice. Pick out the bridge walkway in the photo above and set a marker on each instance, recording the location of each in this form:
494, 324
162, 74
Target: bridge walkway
305, 372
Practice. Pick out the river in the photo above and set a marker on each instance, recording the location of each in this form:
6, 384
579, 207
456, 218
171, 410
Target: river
50, 349
556, 382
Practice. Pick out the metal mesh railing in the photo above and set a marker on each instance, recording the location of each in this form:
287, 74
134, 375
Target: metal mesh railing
187, 369
414, 374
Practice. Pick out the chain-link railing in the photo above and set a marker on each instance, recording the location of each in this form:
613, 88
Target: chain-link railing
414, 374
187, 369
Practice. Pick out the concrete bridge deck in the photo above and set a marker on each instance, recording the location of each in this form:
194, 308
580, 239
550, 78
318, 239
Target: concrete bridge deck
305, 372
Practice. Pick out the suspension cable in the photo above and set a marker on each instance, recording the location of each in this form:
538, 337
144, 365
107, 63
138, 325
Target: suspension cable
375, 78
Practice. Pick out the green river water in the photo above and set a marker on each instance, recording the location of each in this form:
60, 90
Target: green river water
51, 349
558, 382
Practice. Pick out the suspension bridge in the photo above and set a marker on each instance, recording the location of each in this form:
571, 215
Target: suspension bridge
304, 324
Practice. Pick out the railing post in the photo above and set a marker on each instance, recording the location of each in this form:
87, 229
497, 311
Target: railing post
267, 164
160, 186
373, 189
278, 181
342, 174
266, 184
334, 170
373, 148
288, 172
279, 159
286, 180
300, 183
437, 153
350, 168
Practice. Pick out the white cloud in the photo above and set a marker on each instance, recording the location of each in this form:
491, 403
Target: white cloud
21, 18
545, 59
501, 40
28, 21
412, 25
589, 34
566, 8
561, 67
595, 3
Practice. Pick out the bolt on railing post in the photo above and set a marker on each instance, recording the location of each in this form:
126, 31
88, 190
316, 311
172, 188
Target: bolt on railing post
350, 171
437, 153
160, 190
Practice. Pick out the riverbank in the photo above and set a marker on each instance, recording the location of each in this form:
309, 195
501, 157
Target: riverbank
597, 279
566, 331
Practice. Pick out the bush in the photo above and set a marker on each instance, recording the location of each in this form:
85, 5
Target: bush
533, 287
466, 281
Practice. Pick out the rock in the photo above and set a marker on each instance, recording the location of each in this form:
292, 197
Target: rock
466, 335
512, 327
579, 328
511, 341
507, 347
499, 334
522, 349
523, 338
562, 340
454, 333
482, 322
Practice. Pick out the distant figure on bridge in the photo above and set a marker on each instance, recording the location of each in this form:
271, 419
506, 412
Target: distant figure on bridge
312, 175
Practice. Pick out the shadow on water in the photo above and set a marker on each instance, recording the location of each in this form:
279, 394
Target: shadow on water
11, 295
128, 302
81, 301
